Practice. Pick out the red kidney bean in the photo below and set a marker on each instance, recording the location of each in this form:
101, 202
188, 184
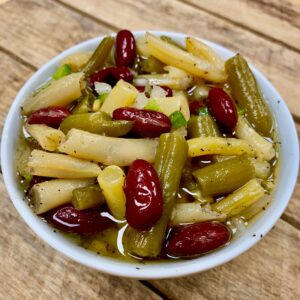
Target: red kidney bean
69, 219
51, 116
148, 123
125, 49
222, 107
196, 239
195, 106
168, 90
111, 75
144, 202
141, 88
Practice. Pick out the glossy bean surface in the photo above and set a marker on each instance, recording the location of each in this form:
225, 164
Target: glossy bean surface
144, 202
248, 96
202, 126
148, 123
224, 177
125, 49
51, 116
98, 122
170, 158
196, 239
69, 219
222, 107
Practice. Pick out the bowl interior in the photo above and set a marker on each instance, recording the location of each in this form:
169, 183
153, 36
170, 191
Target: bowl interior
288, 169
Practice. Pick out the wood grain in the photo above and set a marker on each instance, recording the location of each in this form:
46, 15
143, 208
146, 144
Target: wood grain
275, 19
42, 29
13, 76
270, 270
291, 214
279, 64
31, 269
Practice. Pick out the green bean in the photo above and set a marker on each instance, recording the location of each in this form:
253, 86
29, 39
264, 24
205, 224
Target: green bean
190, 185
240, 199
96, 62
172, 42
110, 60
98, 122
202, 126
150, 65
169, 162
115, 128
87, 197
84, 104
224, 177
200, 92
248, 96
85, 120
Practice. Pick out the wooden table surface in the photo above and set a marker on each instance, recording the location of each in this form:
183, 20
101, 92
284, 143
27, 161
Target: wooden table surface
267, 32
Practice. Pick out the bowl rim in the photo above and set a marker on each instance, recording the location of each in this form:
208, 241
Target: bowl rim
158, 270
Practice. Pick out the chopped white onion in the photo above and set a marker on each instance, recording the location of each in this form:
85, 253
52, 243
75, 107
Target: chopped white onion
237, 225
140, 81
140, 101
157, 92
102, 88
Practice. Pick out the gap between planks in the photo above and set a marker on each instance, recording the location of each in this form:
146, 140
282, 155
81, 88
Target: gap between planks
17, 58
87, 15
257, 32
154, 289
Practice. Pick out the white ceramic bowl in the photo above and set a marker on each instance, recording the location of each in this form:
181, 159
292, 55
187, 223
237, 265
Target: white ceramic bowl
289, 160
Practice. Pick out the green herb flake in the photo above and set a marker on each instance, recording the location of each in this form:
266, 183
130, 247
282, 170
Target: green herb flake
203, 111
177, 119
103, 97
62, 71
241, 111
25, 182
152, 105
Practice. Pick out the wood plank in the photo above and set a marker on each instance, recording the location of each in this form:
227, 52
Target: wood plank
30, 269
13, 76
270, 270
278, 19
38, 30
291, 214
279, 64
